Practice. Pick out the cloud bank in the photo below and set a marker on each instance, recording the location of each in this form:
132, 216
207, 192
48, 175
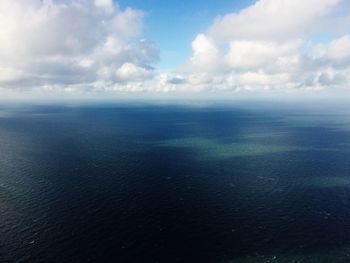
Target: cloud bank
95, 46
77, 44
272, 46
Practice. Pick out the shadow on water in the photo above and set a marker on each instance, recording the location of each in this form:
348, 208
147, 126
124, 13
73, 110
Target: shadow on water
80, 185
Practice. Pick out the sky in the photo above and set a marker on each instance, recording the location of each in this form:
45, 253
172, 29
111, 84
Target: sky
155, 48
166, 19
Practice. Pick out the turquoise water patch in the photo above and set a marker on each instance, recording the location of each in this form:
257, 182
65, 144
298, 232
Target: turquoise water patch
215, 149
265, 135
327, 182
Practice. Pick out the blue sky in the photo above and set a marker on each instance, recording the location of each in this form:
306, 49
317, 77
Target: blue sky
192, 49
174, 24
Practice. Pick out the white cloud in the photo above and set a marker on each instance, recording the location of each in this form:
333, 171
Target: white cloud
256, 79
62, 43
272, 20
338, 50
82, 46
205, 55
131, 72
253, 54
268, 46
107, 5
9, 74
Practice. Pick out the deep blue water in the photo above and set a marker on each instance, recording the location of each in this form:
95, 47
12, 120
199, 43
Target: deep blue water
152, 183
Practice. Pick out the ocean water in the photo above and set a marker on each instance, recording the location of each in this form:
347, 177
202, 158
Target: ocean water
170, 183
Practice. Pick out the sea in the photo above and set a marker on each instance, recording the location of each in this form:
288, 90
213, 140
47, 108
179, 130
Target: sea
174, 182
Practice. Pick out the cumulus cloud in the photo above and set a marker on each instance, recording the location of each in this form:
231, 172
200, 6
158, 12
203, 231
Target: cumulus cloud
254, 54
253, 79
270, 46
272, 20
94, 45
131, 72
105, 4
337, 51
205, 55
80, 42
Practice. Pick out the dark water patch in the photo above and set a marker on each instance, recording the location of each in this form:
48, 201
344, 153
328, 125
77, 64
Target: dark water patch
104, 184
